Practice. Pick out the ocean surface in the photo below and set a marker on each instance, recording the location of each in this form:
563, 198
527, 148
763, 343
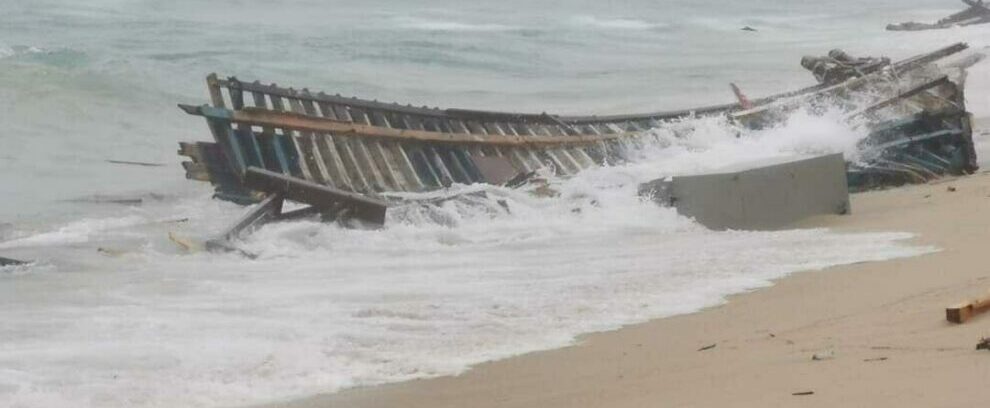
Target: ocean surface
113, 314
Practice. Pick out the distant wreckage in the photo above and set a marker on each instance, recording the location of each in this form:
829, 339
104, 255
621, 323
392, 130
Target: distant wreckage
347, 157
976, 13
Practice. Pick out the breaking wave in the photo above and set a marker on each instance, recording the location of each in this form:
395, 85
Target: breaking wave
617, 23
448, 25
465, 275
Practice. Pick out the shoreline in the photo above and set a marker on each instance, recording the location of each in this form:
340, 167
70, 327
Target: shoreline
879, 325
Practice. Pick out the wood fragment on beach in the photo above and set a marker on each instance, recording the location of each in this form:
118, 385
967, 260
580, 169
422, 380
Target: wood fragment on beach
984, 344
962, 312
708, 347
803, 393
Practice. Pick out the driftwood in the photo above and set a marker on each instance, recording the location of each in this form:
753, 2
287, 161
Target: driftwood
962, 312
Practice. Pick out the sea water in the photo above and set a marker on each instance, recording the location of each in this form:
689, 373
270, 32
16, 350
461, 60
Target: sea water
113, 314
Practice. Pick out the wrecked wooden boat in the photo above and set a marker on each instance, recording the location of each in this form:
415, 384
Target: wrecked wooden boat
915, 111
346, 155
976, 13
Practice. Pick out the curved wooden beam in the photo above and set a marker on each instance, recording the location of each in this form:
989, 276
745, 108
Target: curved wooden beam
300, 122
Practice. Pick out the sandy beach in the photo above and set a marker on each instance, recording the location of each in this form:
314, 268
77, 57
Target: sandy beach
880, 328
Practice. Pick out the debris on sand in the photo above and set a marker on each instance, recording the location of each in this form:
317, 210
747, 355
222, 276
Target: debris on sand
350, 158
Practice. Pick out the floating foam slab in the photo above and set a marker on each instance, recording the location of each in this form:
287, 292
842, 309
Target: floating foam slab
760, 195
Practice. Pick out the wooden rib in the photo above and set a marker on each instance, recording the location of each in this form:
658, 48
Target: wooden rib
344, 147
576, 154
303, 140
326, 111
268, 136
363, 151
458, 126
511, 153
332, 159
396, 160
317, 149
389, 164
546, 153
351, 165
213, 85
360, 148
565, 152
405, 165
439, 167
524, 155
278, 106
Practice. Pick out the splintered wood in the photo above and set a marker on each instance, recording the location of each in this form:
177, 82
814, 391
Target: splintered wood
962, 312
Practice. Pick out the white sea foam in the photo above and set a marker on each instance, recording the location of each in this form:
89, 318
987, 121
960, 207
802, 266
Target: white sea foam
6, 52
441, 288
75, 232
616, 23
449, 25
491, 274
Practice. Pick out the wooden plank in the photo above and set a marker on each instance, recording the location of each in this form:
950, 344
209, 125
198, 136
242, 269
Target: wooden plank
213, 85
196, 171
963, 311
900, 95
266, 210
297, 122
362, 207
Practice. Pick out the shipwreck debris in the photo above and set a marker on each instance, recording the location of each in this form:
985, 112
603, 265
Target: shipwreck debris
329, 203
963, 311
983, 344
762, 195
839, 66
976, 13
349, 156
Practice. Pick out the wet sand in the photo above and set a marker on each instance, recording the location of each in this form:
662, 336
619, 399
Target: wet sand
880, 326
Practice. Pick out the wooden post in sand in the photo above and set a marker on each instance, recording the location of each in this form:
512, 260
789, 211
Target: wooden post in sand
964, 311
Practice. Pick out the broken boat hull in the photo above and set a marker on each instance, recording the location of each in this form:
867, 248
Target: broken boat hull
373, 148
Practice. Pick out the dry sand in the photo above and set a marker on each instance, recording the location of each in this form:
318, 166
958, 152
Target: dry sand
883, 323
